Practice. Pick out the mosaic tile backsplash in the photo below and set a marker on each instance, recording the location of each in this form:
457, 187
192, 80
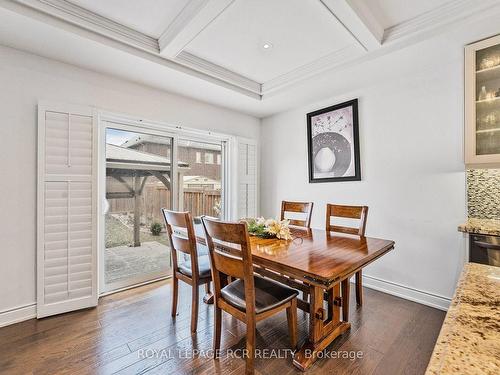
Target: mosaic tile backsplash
483, 193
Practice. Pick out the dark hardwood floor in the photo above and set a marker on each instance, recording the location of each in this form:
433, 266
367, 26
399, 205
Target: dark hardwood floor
132, 332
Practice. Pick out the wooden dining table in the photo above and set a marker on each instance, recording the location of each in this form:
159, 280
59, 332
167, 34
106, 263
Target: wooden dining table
319, 263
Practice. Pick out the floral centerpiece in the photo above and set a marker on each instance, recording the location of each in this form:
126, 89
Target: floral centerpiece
269, 228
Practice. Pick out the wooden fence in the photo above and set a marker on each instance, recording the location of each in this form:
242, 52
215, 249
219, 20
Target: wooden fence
154, 197
202, 202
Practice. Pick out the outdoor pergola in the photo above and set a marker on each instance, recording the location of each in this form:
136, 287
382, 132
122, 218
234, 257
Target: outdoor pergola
124, 164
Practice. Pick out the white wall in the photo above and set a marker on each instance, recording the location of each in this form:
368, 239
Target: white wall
413, 180
25, 79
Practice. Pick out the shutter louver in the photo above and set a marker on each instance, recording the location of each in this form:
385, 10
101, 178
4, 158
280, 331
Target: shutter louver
67, 273
247, 179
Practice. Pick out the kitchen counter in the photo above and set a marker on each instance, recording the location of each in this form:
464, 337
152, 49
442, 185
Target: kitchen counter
469, 341
481, 226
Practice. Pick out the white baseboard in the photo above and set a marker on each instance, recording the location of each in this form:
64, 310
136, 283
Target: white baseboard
17, 314
22, 313
406, 292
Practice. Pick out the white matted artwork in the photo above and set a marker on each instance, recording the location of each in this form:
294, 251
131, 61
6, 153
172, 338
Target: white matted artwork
333, 143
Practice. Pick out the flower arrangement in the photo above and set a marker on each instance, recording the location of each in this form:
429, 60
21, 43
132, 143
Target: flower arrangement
269, 228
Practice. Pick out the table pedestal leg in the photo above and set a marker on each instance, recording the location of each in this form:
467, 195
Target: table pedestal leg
322, 330
346, 288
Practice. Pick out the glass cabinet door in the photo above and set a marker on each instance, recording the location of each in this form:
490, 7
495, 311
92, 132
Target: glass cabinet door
482, 103
488, 101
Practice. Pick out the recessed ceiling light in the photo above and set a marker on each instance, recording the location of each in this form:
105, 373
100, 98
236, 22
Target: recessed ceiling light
267, 46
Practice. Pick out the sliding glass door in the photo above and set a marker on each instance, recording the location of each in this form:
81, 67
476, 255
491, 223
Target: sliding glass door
144, 172
138, 184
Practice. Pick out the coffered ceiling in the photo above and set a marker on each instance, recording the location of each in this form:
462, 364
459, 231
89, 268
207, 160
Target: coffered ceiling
393, 12
253, 48
150, 17
296, 32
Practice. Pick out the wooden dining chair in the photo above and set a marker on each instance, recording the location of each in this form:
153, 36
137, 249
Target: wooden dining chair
194, 269
296, 208
249, 298
348, 212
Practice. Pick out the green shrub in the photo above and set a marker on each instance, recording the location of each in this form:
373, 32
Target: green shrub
155, 229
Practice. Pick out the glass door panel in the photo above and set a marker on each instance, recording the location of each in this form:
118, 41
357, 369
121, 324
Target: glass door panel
201, 178
138, 185
488, 101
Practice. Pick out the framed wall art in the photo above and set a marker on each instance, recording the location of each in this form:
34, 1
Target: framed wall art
333, 143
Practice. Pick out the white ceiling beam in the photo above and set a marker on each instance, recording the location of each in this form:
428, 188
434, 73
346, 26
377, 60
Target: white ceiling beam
217, 71
358, 21
192, 20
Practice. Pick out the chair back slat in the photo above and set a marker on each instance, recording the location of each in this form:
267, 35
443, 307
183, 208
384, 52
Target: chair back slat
297, 206
351, 212
347, 212
304, 208
343, 229
181, 244
180, 232
177, 219
228, 265
228, 232
298, 223
230, 255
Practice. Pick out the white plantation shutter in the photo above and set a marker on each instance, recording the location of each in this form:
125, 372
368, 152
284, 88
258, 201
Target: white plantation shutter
66, 243
247, 179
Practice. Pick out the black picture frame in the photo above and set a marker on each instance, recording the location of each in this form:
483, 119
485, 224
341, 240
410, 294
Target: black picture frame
312, 145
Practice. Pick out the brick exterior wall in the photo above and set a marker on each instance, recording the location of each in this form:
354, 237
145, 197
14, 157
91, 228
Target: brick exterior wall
187, 155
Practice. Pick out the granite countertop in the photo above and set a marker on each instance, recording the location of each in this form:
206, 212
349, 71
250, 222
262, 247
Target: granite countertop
469, 341
481, 226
